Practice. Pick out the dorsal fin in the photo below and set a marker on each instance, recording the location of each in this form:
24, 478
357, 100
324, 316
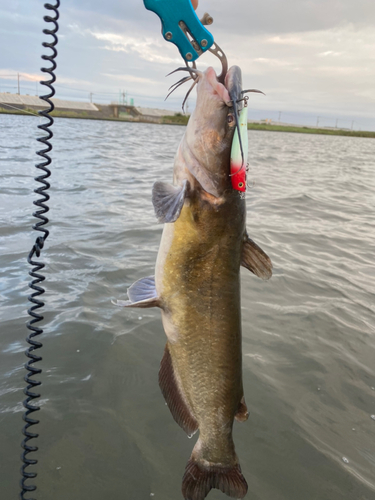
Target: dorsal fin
174, 396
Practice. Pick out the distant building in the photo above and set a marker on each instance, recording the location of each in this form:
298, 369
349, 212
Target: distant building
16, 102
138, 113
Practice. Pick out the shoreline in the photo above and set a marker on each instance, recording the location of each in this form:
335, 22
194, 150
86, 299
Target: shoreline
310, 130
180, 119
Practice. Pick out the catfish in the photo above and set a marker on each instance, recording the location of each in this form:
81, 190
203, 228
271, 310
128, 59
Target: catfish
197, 287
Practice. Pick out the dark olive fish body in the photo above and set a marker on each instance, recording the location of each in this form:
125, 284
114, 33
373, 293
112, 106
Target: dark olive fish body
197, 287
200, 288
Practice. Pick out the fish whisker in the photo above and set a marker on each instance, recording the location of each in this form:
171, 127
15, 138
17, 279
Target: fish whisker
252, 90
187, 95
192, 71
176, 85
180, 82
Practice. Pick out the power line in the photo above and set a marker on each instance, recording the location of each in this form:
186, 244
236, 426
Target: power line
104, 96
19, 109
89, 91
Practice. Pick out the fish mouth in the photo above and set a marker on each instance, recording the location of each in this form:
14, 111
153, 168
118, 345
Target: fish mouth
231, 91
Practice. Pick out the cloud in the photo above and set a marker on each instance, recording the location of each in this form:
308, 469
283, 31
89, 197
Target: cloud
288, 16
308, 56
148, 49
330, 53
12, 74
242, 16
130, 78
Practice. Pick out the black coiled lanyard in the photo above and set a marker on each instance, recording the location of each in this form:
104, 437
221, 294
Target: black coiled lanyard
37, 265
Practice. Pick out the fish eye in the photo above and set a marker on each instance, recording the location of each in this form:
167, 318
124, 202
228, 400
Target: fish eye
230, 118
240, 184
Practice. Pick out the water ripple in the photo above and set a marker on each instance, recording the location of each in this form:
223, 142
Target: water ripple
308, 334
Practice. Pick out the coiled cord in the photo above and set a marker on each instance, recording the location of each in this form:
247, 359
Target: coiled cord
38, 266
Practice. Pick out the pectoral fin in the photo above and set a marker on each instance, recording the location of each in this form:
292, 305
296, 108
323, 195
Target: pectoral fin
141, 294
168, 200
254, 259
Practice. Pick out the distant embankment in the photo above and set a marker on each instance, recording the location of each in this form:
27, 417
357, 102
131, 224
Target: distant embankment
308, 130
29, 105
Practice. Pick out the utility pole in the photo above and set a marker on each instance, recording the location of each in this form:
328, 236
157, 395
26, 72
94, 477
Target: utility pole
36, 88
279, 116
317, 122
337, 121
91, 94
18, 78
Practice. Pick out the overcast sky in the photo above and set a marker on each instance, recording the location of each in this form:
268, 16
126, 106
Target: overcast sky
312, 58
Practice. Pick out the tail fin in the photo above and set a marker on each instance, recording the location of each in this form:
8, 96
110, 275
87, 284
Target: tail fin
201, 476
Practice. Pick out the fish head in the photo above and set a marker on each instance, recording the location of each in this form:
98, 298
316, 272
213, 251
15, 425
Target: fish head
211, 127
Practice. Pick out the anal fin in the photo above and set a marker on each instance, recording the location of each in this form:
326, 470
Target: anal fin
141, 294
254, 259
242, 413
168, 200
174, 396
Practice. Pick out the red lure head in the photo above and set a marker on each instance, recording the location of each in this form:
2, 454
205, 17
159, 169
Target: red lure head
238, 176
239, 152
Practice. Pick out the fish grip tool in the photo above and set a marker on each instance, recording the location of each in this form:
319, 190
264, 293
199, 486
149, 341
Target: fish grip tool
37, 265
182, 27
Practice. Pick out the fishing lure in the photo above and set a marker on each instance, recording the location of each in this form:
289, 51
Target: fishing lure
238, 156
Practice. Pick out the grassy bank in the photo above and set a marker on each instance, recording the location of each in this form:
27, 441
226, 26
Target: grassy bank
177, 119
59, 114
308, 130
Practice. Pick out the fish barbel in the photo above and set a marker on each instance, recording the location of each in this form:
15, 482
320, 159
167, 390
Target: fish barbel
197, 287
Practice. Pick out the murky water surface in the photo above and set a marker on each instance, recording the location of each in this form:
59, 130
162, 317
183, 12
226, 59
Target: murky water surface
308, 333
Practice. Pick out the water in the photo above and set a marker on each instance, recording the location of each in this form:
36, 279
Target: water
308, 346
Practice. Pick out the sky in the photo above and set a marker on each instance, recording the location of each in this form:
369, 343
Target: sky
314, 59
